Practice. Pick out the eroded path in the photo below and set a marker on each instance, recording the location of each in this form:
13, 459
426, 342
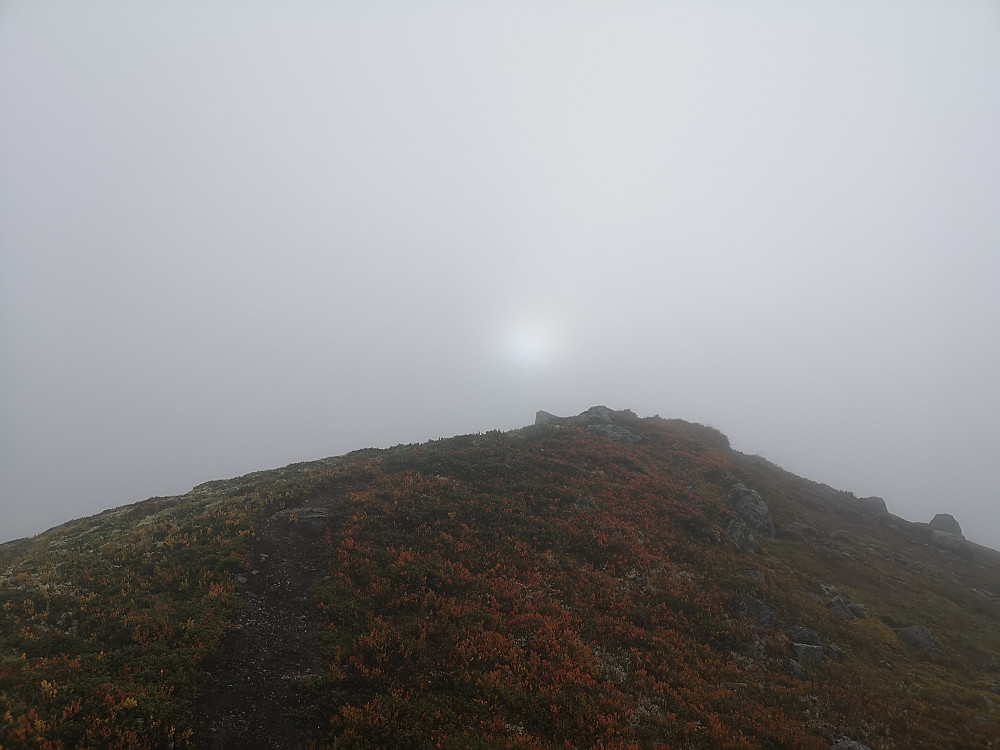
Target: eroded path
275, 643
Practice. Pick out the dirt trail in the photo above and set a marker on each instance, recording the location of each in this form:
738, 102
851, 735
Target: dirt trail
275, 642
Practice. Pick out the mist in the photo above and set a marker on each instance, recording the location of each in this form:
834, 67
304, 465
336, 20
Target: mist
238, 236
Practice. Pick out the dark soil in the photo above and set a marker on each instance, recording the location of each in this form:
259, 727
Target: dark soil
275, 643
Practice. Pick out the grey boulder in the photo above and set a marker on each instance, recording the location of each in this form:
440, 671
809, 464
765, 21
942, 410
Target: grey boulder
749, 506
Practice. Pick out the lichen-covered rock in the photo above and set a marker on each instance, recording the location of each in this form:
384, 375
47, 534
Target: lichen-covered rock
749, 506
742, 537
753, 575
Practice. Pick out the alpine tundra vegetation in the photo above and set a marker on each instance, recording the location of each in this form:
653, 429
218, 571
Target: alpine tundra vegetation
598, 581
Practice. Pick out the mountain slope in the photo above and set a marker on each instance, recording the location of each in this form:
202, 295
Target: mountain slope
581, 583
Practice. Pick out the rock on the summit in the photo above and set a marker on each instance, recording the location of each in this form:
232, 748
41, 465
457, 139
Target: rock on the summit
615, 432
543, 417
597, 414
945, 522
751, 508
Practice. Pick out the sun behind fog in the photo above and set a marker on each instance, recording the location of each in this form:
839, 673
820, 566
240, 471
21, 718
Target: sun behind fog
529, 345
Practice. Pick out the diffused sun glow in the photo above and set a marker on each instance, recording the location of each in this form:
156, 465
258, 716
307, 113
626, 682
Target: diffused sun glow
528, 346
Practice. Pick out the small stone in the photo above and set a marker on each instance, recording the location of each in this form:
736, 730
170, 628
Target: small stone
753, 575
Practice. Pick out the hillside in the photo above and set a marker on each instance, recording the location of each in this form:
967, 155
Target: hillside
597, 581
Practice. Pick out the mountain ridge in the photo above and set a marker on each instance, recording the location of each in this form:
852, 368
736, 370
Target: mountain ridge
624, 604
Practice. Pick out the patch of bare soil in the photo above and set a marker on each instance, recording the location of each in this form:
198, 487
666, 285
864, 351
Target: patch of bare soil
275, 642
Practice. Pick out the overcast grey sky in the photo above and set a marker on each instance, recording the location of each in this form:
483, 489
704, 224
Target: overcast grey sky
236, 235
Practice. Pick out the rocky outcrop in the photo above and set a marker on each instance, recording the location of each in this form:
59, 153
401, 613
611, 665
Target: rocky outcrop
917, 636
802, 634
615, 432
749, 506
759, 612
742, 537
945, 522
595, 415
947, 540
874, 506
806, 648
808, 655
796, 670
543, 417
844, 609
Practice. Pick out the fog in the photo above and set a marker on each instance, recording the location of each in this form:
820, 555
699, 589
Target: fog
238, 235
